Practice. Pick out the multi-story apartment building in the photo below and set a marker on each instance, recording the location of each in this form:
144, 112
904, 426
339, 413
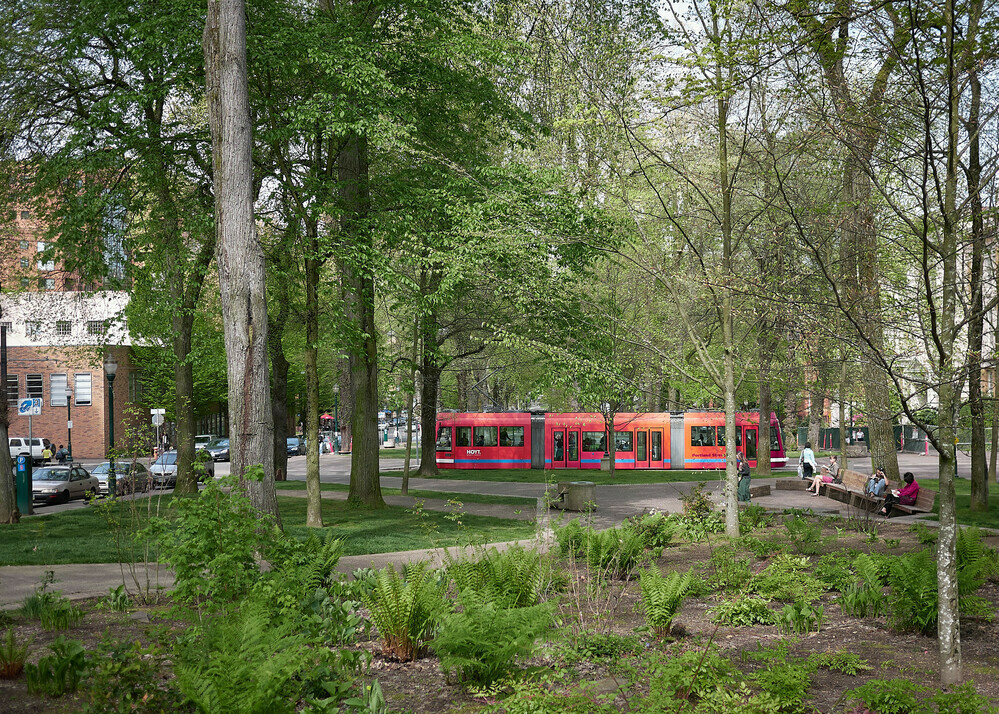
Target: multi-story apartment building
58, 335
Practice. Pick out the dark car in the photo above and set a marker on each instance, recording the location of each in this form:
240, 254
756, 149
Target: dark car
296, 446
219, 449
59, 484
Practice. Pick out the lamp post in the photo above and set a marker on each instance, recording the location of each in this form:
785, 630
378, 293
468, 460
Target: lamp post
336, 418
69, 422
110, 369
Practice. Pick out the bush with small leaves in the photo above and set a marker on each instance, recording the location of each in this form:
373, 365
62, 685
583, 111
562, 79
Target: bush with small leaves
787, 579
655, 529
752, 517
688, 676
744, 611
588, 645
785, 685
127, 677
924, 534
805, 536
842, 661
727, 570
763, 548
887, 696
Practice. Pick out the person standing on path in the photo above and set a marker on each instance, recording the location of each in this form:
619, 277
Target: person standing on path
808, 465
744, 477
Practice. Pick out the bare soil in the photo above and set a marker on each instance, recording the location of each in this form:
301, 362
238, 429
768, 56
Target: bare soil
421, 687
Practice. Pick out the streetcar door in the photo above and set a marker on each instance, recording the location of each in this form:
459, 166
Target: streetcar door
641, 449
656, 448
572, 449
558, 448
750, 441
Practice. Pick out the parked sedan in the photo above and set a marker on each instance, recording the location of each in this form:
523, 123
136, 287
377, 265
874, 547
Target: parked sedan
296, 446
59, 484
164, 469
219, 449
129, 477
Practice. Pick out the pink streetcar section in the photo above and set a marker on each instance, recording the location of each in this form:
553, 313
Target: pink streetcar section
484, 441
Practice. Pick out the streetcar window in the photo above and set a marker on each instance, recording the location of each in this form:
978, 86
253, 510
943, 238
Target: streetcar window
511, 436
702, 436
463, 437
485, 436
622, 440
721, 437
774, 440
594, 441
444, 439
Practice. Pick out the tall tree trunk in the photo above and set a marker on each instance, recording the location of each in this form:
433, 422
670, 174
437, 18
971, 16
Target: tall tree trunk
844, 391
239, 254
410, 399
279, 380
365, 486
431, 373
976, 319
8, 493
183, 375
314, 506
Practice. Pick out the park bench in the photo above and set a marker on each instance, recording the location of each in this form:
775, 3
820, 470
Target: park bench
924, 502
853, 483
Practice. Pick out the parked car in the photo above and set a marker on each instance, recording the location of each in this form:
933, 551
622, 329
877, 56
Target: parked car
201, 441
129, 477
296, 446
164, 469
219, 449
59, 484
19, 445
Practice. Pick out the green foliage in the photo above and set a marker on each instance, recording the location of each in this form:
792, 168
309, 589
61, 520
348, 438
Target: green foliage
243, 660
805, 536
744, 611
784, 686
887, 696
406, 610
753, 517
696, 503
589, 645
213, 547
655, 529
912, 602
571, 538
690, 676
924, 534
961, 699
42, 599
728, 571
514, 577
61, 616
842, 661
865, 597
834, 569
786, 579
892, 543
762, 548
298, 569
800, 618
60, 672
532, 697
662, 598
117, 600
614, 553
128, 677
12, 656
483, 640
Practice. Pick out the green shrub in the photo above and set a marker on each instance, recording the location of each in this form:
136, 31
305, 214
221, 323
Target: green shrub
614, 553
298, 569
655, 529
61, 616
924, 534
12, 656
662, 598
589, 645
571, 539
531, 697
865, 597
696, 503
762, 548
835, 569
483, 640
805, 536
117, 600
744, 611
845, 662
514, 577
887, 696
799, 618
729, 572
406, 610
42, 599
912, 603
786, 579
785, 685
243, 660
961, 699
752, 517
686, 676
60, 672
127, 677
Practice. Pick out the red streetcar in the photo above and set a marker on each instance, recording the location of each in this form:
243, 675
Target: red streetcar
662, 441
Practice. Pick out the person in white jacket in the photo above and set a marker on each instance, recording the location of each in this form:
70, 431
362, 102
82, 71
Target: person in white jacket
808, 465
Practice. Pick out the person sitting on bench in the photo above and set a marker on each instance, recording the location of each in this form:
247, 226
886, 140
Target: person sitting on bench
905, 496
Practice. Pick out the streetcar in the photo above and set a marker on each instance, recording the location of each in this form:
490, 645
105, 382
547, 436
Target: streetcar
648, 440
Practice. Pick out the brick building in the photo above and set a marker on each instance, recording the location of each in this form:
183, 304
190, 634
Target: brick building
57, 336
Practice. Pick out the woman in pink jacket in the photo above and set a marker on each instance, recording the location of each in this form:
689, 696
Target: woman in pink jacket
906, 496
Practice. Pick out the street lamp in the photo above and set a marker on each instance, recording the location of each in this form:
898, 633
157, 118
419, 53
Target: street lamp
69, 421
336, 418
110, 369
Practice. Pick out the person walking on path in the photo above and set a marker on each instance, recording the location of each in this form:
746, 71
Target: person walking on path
808, 465
744, 477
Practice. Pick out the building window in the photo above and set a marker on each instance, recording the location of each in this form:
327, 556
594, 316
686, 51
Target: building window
25, 283
25, 215
33, 386
23, 244
25, 263
64, 327
81, 391
57, 390
135, 386
42, 245
47, 283
13, 390
96, 327
32, 328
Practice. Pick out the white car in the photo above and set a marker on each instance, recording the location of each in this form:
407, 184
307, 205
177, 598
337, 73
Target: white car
19, 445
59, 484
164, 469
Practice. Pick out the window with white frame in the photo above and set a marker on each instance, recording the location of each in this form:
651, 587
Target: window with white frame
23, 245
13, 390
25, 263
96, 327
57, 390
33, 386
32, 328
47, 283
135, 386
81, 390
64, 327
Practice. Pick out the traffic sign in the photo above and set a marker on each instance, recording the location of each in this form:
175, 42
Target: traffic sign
157, 419
29, 407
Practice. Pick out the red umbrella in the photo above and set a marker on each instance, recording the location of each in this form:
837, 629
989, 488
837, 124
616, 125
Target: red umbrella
326, 416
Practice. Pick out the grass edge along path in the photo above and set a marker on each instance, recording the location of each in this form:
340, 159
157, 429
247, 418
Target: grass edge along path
444, 495
84, 536
601, 478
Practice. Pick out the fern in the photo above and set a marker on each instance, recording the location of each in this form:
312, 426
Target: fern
513, 578
913, 600
406, 610
614, 553
662, 598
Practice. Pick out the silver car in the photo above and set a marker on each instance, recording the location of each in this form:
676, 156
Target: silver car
59, 484
129, 477
164, 469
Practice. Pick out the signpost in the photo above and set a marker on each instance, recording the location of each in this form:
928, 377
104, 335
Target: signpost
157, 422
26, 407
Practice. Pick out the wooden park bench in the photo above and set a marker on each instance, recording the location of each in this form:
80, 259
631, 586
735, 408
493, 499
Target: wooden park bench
853, 483
924, 502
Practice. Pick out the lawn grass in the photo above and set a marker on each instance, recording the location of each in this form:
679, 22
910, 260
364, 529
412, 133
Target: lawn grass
84, 536
962, 492
602, 478
466, 497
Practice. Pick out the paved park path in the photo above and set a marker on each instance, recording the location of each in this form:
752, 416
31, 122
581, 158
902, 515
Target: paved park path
615, 503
